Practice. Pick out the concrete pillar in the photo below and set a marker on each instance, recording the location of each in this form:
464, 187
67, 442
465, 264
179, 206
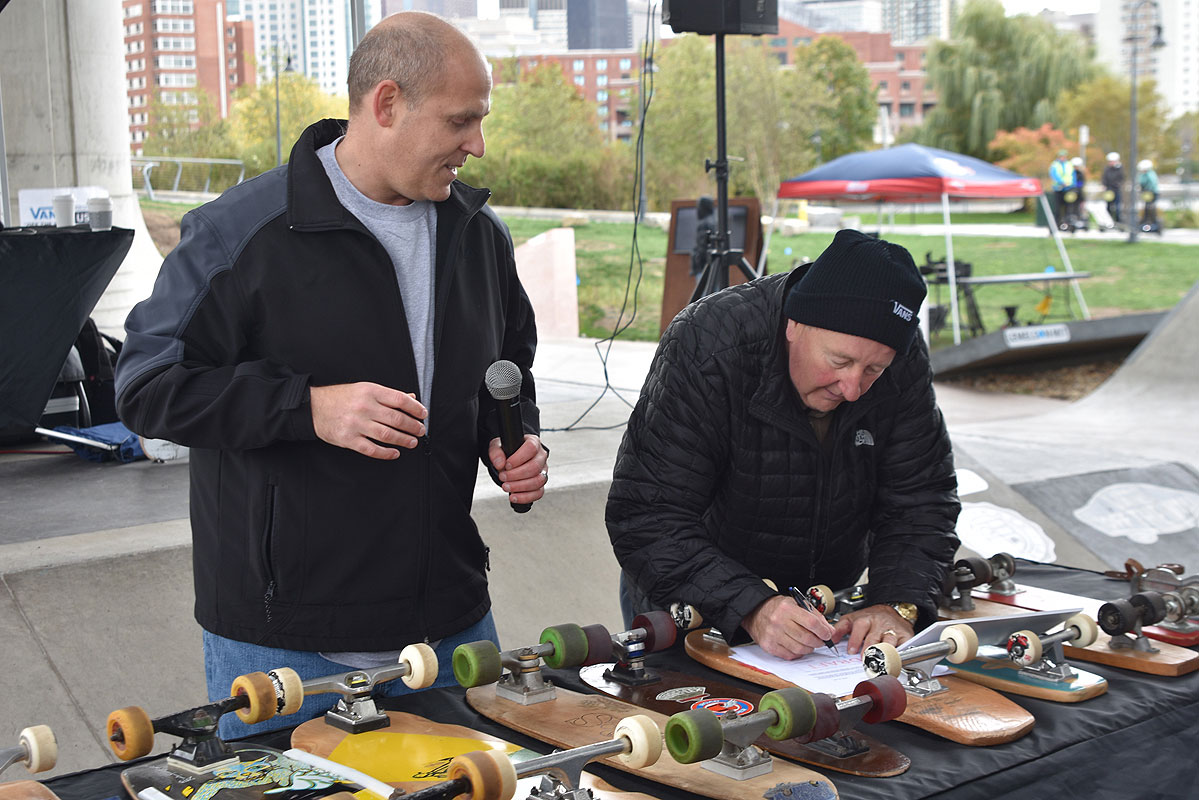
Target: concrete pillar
62, 84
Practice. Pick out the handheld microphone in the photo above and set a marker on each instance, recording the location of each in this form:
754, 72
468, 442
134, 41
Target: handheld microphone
503, 384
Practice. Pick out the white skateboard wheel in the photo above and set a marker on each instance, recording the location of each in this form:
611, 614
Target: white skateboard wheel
644, 738
41, 748
964, 643
1087, 630
422, 665
882, 659
289, 689
1024, 648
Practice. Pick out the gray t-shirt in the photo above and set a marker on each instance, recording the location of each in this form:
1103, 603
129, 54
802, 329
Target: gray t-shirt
409, 234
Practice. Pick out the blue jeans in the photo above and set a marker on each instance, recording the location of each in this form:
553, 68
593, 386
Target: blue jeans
226, 659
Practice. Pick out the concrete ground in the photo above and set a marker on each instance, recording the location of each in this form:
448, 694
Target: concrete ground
95, 581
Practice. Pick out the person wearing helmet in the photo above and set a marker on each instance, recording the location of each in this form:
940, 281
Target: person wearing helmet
1147, 181
1061, 178
1113, 184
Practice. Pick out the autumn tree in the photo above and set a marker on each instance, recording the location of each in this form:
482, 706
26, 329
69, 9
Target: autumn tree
1029, 152
1103, 106
252, 120
999, 73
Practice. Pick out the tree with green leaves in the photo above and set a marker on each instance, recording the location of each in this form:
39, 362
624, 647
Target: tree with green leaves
252, 120
846, 100
999, 73
1103, 106
544, 146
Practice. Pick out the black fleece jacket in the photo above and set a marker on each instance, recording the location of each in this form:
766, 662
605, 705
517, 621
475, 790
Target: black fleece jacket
275, 287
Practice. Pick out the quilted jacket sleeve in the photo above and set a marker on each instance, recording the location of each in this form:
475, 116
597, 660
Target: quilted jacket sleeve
917, 505
669, 465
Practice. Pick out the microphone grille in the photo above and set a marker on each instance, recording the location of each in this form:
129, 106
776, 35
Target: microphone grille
503, 380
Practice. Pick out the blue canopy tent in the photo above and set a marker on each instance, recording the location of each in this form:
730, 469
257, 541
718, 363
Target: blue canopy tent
915, 173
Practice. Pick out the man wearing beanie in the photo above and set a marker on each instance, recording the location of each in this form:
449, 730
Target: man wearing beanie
788, 431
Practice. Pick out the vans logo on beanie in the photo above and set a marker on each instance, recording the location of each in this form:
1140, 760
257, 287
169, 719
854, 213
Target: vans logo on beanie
902, 311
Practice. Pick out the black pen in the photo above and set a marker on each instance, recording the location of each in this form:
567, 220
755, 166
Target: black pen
803, 602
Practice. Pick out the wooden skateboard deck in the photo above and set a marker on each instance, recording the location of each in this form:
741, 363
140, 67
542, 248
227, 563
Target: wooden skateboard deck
677, 691
413, 752
573, 719
993, 669
1038, 599
966, 713
254, 773
1170, 660
25, 790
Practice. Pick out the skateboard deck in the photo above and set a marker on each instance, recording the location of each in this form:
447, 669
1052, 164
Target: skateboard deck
253, 773
25, 790
673, 691
994, 670
966, 712
413, 752
572, 719
1170, 660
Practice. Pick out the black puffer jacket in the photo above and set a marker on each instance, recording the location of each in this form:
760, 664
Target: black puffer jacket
720, 481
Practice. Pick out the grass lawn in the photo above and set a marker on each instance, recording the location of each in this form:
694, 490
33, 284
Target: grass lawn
1147, 276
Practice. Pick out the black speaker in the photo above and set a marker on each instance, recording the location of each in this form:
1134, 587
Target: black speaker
721, 16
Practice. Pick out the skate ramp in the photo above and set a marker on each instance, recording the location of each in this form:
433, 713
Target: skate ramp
1119, 470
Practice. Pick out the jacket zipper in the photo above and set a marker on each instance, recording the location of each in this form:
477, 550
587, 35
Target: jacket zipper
268, 536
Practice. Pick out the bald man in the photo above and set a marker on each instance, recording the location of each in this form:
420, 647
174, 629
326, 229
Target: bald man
319, 340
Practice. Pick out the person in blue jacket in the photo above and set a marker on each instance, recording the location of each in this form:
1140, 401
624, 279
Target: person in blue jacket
1061, 179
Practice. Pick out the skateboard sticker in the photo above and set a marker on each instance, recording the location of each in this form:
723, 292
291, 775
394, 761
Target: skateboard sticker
400, 757
723, 705
683, 694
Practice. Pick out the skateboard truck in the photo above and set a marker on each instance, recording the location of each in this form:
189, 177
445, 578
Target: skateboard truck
651, 633
1122, 617
1184, 618
491, 775
914, 665
970, 572
355, 711
1043, 655
255, 697
517, 673
36, 748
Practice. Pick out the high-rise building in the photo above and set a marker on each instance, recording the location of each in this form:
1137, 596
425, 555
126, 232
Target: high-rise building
597, 24
444, 8
914, 21
1175, 66
176, 48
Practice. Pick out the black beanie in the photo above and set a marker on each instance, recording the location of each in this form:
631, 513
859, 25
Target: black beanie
861, 286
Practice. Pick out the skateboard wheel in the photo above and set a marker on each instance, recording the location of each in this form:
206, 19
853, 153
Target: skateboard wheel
881, 659
289, 690
1002, 564
1151, 605
645, 741
570, 645
794, 709
827, 720
980, 568
694, 735
489, 772
1086, 630
260, 690
1024, 648
1118, 616
599, 645
41, 748
965, 643
130, 733
422, 665
477, 663
887, 697
660, 630
823, 599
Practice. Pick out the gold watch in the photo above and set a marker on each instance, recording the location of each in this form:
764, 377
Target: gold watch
906, 610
